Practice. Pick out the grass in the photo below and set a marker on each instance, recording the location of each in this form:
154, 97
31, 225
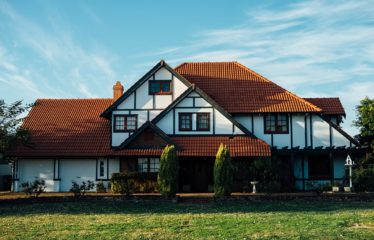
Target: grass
102, 219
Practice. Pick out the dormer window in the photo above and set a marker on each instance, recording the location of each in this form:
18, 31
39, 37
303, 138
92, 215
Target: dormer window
125, 123
160, 87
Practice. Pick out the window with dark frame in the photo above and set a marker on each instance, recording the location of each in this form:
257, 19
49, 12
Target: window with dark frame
101, 168
160, 87
125, 123
276, 123
203, 121
185, 121
148, 165
319, 167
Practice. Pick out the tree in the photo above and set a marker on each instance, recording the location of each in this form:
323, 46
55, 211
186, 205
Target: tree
223, 172
168, 174
365, 123
11, 132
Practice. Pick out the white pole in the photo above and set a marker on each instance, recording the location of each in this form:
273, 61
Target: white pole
350, 176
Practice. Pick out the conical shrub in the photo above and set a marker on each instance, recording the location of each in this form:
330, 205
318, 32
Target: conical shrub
168, 174
223, 171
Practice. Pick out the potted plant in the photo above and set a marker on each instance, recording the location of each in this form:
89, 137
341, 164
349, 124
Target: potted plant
336, 187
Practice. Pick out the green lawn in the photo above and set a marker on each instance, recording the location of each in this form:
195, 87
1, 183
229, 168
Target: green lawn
228, 220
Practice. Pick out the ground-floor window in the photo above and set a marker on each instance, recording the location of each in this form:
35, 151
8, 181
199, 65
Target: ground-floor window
319, 167
148, 164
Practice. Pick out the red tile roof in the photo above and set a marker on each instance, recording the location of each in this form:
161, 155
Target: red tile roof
239, 146
238, 89
330, 106
74, 128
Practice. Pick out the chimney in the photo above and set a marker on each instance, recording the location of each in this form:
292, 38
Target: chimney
117, 90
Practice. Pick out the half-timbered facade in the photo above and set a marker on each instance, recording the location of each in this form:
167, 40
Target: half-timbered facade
195, 106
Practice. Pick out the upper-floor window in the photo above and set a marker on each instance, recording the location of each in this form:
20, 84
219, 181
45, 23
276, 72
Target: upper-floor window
203, 121
160, 87
185, 121
125, 123
276, 123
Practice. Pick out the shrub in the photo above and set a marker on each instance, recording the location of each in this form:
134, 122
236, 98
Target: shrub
363, 179
223, 172
130, 182
80, 190
36, 187
100, 188
168, 175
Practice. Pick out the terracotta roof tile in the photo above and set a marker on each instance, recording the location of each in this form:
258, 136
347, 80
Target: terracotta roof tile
74, 128
330, 106
238, 89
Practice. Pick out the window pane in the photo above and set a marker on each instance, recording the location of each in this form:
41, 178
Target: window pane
101, 168
282, 124
165, 87
131, 122
154, 87
203, 121
154, 164
185, 121
143, 164
270, 123
119, 122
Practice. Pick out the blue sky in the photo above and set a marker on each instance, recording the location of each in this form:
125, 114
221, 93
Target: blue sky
78, 49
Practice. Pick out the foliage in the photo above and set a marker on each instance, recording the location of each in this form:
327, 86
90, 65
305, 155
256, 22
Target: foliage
11, 132
80, 190
266, 172
33, 188
100, 188
223, 172
363, 179
365, 123
131, 182
168, 174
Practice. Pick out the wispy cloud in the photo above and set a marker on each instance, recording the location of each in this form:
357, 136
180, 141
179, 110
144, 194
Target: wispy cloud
56, 55
324, 47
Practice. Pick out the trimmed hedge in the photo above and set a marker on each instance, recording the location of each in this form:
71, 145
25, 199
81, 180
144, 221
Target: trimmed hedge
133, 182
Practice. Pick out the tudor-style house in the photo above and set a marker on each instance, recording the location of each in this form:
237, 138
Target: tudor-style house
195, 106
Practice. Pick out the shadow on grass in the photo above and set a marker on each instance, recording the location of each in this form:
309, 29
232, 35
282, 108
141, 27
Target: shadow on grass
128, 207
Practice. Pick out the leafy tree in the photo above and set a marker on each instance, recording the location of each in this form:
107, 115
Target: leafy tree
365, 123
168, 174
10, 121
223, 172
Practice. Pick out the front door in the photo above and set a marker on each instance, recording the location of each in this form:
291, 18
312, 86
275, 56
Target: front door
196, 175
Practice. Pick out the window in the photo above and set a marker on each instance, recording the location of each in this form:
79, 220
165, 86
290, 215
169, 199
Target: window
143, 164
276, 123
154, 164
148, 164
203, 121
319, 167
159, 87
185, 121
125, 123
101, 168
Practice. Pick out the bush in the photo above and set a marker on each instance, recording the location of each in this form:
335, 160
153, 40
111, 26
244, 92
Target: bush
168, 175
130, 182
36, 187
363, 179
223, 172
80, 190
100, 188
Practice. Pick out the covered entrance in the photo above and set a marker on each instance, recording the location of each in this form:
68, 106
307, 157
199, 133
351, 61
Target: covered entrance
196, 174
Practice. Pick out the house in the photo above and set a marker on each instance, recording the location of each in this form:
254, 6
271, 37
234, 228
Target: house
195, 106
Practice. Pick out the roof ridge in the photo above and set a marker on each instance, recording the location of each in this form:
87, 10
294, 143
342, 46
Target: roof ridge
321, 98
60, 99
286, 91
